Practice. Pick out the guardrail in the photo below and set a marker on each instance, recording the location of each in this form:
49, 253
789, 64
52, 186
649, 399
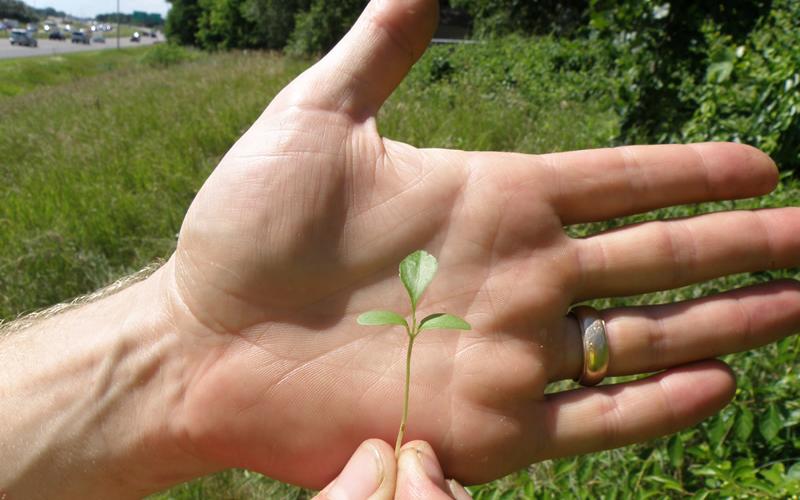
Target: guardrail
461, 41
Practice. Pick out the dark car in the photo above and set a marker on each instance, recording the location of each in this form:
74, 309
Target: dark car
56, 35
136, 37
80, 37
22, 37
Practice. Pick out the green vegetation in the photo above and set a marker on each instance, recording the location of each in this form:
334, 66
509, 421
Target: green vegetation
687, 70
324, 23
137, 18
531, 17
125, 31
510, 95
166, 55
23, 75
98, 172
16, 9
416, 273
707, 71
307, 26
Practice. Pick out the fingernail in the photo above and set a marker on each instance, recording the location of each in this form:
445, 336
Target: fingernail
361, 477
430, 466
458, 491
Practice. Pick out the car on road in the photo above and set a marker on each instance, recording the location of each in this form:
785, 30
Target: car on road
56, 35
22, 37
136, 37
80, 37
98, 38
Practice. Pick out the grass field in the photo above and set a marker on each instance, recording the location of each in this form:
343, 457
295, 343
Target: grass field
99, 165
18, 76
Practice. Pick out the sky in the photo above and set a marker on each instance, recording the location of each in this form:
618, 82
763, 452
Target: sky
90, 8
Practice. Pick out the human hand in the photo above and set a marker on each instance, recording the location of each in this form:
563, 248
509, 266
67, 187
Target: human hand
373, 472
302, 225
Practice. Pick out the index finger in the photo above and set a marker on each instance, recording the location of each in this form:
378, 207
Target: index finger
596, 185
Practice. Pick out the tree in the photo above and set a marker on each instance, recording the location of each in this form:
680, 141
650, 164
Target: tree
273, 21
13, 9
182, 21
222, 25
323, 24
664, 46
501, 17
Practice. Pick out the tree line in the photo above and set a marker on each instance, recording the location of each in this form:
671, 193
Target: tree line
138, 18
723, 70
301, 25
19, 11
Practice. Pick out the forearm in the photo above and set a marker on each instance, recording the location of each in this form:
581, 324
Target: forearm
88, 400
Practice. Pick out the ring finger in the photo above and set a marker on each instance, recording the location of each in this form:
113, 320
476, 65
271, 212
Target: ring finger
651, 338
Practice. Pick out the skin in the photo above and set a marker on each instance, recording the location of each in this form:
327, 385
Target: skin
243, 349
375, 473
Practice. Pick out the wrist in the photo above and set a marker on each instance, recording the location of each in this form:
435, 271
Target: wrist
93, 400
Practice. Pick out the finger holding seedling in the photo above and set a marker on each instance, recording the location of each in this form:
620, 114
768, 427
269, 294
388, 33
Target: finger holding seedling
374, 473
416, 273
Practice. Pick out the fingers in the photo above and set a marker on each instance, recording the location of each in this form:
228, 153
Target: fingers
373, 473
420, 477
360, 73
652, 338
600, 184
668, 254
370, 474
587, 420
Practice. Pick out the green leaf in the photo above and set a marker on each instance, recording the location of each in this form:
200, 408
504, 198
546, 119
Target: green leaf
774, 474
377, 318
719, 72
666, 482
675, 448
770, 424
744, 424
416, 272
794, 472
443, 321
718, 432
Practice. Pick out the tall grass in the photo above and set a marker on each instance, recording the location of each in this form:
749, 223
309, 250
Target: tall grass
96, 174
21, 75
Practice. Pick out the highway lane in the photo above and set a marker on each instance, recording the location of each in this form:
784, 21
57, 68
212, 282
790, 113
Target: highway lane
55, 47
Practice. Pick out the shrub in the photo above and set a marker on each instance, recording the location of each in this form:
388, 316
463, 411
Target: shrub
692, 71
751, 91
165, 55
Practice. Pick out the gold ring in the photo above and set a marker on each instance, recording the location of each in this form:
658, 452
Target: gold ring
595, 345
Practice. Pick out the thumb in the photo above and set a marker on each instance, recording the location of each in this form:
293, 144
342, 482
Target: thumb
365, 67
420, 477
369, 474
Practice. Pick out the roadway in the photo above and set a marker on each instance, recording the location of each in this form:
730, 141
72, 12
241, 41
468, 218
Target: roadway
55, 47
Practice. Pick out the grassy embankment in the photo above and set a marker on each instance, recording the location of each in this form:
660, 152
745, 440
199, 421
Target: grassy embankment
19, 76
98, 171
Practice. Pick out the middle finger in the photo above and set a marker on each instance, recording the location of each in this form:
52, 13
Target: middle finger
661, 255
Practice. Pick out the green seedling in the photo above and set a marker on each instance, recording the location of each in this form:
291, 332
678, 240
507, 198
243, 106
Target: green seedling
416, 273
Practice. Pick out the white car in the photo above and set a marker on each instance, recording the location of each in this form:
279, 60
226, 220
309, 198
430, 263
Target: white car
22, 37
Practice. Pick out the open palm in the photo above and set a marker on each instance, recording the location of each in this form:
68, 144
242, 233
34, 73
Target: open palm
302, 225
